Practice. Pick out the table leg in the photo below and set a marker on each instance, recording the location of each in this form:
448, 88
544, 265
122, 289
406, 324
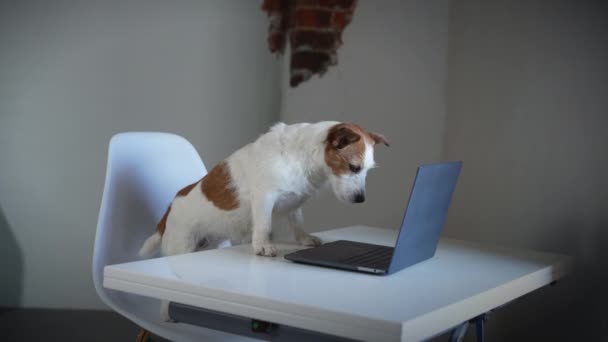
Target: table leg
461, 330
480, 328
458, 333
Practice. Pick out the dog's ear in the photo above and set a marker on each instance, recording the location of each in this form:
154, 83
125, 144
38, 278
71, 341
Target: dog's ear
341, 137
379, 139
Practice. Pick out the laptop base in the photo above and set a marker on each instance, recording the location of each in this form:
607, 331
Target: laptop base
347, 255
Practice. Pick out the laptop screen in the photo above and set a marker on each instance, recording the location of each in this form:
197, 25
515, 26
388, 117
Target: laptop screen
425, 215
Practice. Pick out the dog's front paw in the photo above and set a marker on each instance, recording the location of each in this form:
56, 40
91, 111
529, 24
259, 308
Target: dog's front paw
310, 240
265, 249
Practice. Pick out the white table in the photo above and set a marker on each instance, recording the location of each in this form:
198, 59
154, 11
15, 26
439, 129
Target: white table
462, 281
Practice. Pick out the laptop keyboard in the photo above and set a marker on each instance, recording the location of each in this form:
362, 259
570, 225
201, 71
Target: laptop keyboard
377, 258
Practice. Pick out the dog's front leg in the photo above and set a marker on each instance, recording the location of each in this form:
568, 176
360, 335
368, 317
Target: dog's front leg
296, 223
261, 213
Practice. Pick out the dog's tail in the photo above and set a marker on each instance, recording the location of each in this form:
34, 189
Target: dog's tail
151, 246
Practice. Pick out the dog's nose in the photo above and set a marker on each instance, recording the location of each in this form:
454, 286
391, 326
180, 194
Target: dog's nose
359, 197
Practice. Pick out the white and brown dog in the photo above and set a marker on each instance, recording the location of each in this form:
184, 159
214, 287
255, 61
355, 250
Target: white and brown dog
274, 175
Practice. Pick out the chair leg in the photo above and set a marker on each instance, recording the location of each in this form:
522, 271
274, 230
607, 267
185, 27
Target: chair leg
143, 335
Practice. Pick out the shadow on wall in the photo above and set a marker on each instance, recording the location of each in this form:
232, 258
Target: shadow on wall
574, 309
11, 266
571, 310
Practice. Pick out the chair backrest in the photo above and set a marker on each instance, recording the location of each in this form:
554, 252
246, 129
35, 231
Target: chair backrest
144, 172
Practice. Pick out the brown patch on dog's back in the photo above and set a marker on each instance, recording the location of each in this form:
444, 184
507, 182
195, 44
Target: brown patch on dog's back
186, 190
345, 145
217, 187
162, 224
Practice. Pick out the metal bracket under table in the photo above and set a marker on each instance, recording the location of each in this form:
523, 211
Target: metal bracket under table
246, 326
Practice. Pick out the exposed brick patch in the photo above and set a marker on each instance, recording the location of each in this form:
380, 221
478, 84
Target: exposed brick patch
314, 29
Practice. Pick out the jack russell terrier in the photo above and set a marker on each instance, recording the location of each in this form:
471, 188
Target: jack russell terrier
274, 175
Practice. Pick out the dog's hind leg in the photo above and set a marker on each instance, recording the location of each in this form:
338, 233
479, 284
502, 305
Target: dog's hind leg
180, 240
296, 223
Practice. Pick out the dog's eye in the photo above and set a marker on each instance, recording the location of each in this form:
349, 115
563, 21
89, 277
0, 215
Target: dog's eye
354, 168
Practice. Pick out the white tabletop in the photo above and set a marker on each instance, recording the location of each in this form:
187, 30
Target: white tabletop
461, 281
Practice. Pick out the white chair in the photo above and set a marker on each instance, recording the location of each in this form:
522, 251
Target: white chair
144, 172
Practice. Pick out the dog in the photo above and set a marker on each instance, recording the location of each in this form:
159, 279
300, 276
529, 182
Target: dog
274, 175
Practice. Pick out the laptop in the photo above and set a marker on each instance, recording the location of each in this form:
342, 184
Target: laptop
418, 237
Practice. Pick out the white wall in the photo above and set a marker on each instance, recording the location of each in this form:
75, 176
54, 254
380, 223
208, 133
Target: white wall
528, 114
390, 78
72, 74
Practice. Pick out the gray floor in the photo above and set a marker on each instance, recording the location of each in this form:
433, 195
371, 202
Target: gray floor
64, 325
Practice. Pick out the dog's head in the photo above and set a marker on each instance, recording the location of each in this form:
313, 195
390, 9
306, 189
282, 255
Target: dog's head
349, 154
